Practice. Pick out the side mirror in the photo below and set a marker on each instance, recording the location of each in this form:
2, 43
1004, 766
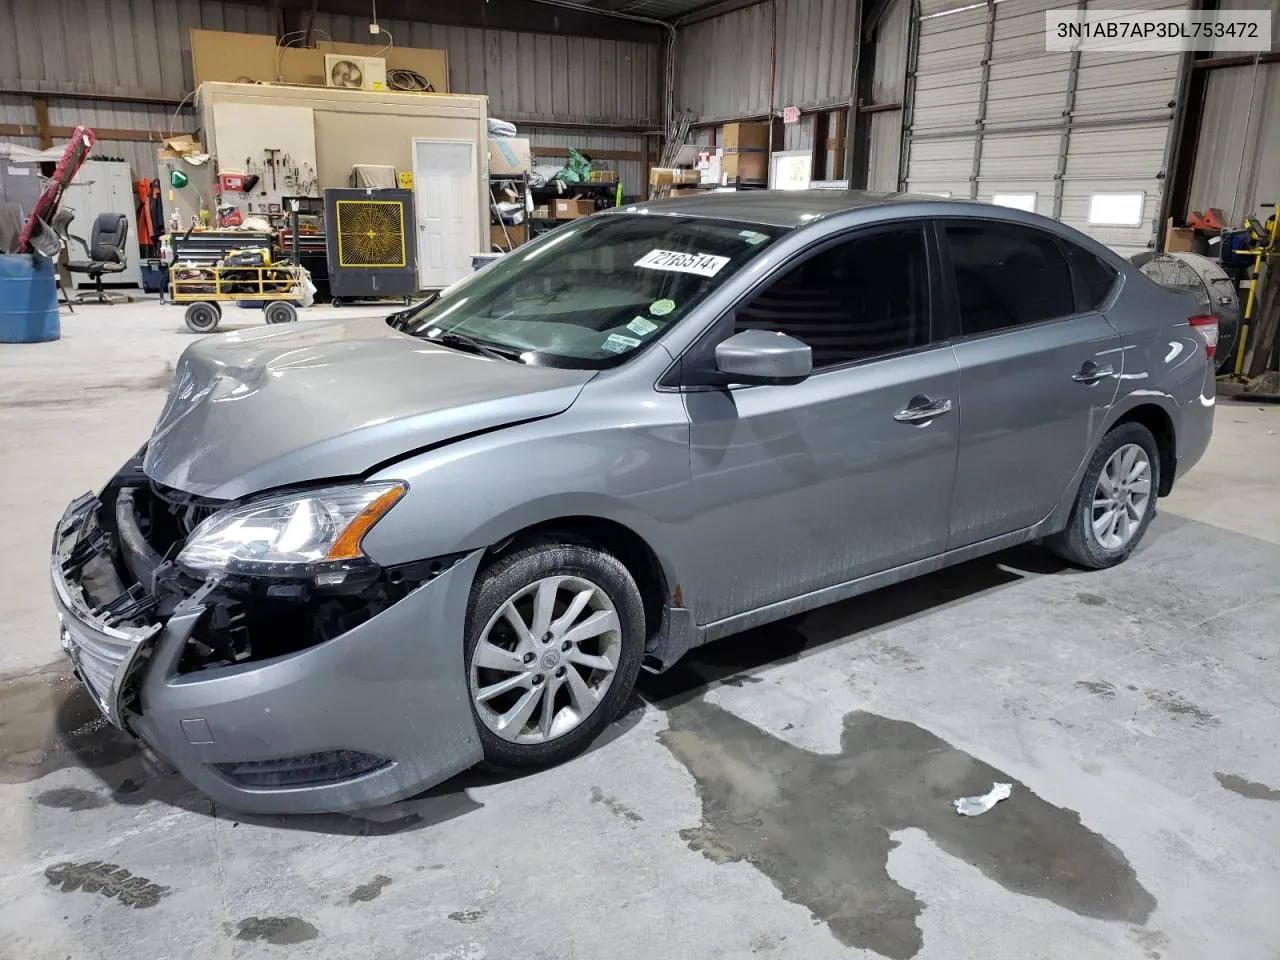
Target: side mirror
763, 357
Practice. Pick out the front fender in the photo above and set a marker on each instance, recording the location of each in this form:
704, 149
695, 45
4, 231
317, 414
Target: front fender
479, 491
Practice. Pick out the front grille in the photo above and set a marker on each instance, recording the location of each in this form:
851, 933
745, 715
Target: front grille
303, 770
99, 658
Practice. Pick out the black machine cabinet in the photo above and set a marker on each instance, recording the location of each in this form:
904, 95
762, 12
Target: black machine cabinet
370, 239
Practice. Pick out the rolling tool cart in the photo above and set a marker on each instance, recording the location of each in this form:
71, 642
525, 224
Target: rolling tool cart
205, 288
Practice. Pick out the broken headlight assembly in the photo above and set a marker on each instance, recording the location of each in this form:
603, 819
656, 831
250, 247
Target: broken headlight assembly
312, 534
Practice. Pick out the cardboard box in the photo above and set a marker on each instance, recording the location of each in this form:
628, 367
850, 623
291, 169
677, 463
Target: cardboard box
745, 136
684, 192
745, 165
542, 212
573, 209
604, 176
509, 155
673, 176
1178, 239
516, 232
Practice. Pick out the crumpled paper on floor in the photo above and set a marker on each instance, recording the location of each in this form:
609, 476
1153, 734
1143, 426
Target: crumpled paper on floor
973, 806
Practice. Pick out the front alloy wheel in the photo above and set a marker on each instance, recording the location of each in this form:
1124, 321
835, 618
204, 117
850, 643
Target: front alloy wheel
555, 634
546, 659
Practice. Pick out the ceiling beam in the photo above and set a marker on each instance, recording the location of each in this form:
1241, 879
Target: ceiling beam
519, 15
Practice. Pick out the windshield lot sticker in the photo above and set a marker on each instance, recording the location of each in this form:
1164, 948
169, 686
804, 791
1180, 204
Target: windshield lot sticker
616, 343
699, 264
660, 308
641, 326
752, 237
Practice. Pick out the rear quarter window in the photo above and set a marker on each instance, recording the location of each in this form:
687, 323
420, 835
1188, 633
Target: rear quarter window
1094, 277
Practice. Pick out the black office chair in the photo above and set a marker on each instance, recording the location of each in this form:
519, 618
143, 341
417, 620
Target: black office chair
106, 254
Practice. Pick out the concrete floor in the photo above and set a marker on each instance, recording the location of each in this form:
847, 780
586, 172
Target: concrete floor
785, 793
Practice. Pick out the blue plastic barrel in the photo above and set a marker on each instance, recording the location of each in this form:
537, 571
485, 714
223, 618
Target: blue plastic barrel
28, 299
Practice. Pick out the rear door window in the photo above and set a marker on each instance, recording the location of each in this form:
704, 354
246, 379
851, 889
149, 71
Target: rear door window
1007, 276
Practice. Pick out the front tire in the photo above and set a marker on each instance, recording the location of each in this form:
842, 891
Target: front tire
1116, 501
555, 635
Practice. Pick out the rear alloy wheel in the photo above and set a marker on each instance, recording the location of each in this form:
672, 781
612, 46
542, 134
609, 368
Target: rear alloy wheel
555, 636
1116, 502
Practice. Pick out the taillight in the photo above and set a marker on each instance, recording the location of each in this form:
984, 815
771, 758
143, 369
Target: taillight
1207, 326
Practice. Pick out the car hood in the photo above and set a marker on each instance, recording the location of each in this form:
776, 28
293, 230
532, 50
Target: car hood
282, 405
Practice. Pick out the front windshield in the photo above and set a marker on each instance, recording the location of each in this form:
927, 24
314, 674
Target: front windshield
592, 292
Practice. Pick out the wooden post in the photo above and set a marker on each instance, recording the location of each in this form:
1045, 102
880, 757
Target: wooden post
43, 130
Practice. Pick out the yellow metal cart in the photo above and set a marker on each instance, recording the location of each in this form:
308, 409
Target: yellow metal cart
205, 288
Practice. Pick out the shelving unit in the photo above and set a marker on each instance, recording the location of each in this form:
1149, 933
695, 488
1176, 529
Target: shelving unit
508, 236
606, 191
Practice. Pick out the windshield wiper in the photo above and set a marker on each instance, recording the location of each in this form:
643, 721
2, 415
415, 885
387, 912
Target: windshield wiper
451, 338
400, 319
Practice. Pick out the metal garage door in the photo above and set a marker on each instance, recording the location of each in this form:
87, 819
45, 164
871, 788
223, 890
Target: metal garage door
995, 117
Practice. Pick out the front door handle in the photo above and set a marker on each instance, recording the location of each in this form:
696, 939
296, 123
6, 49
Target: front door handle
922, 409
1091, 373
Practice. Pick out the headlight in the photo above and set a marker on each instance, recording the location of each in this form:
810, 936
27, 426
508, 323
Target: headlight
296, 535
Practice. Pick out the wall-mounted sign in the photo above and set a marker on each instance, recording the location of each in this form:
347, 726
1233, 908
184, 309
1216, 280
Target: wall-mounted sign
790, 114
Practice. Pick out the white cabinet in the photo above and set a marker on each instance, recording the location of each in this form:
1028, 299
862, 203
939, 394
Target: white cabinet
103, 186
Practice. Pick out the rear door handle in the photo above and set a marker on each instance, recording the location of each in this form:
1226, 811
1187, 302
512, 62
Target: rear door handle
922, 409
1091, 373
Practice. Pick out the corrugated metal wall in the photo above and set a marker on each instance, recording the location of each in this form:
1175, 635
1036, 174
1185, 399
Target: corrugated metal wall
1237, 165
992, 112
722, 64
141, 48
534, 76
888, 85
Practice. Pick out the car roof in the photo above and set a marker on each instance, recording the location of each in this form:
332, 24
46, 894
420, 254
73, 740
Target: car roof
775, 208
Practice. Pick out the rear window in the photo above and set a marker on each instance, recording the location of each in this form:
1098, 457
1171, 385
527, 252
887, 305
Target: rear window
1096, 277
1007, 276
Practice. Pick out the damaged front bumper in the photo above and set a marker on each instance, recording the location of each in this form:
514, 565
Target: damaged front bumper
373, 715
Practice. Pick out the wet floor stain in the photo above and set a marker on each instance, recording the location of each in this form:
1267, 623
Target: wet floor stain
741, 680
467, 916
820, 826
48, 723
280, 931
616, 807
369, 891
71, 798
1099, 688
1247, 788
1091, 599
108, 879
1177, 706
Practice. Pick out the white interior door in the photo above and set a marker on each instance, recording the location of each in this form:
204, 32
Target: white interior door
445, 198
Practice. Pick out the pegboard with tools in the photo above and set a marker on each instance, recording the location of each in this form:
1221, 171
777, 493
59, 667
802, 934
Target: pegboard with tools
262, 181
264, 154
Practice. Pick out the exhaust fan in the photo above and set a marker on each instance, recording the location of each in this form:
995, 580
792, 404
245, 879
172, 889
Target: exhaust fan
355, 73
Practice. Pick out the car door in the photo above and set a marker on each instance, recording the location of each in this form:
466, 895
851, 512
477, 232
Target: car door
804, 486
1039, 368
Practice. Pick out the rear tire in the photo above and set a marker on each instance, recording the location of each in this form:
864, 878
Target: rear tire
584, 651
1116, 500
